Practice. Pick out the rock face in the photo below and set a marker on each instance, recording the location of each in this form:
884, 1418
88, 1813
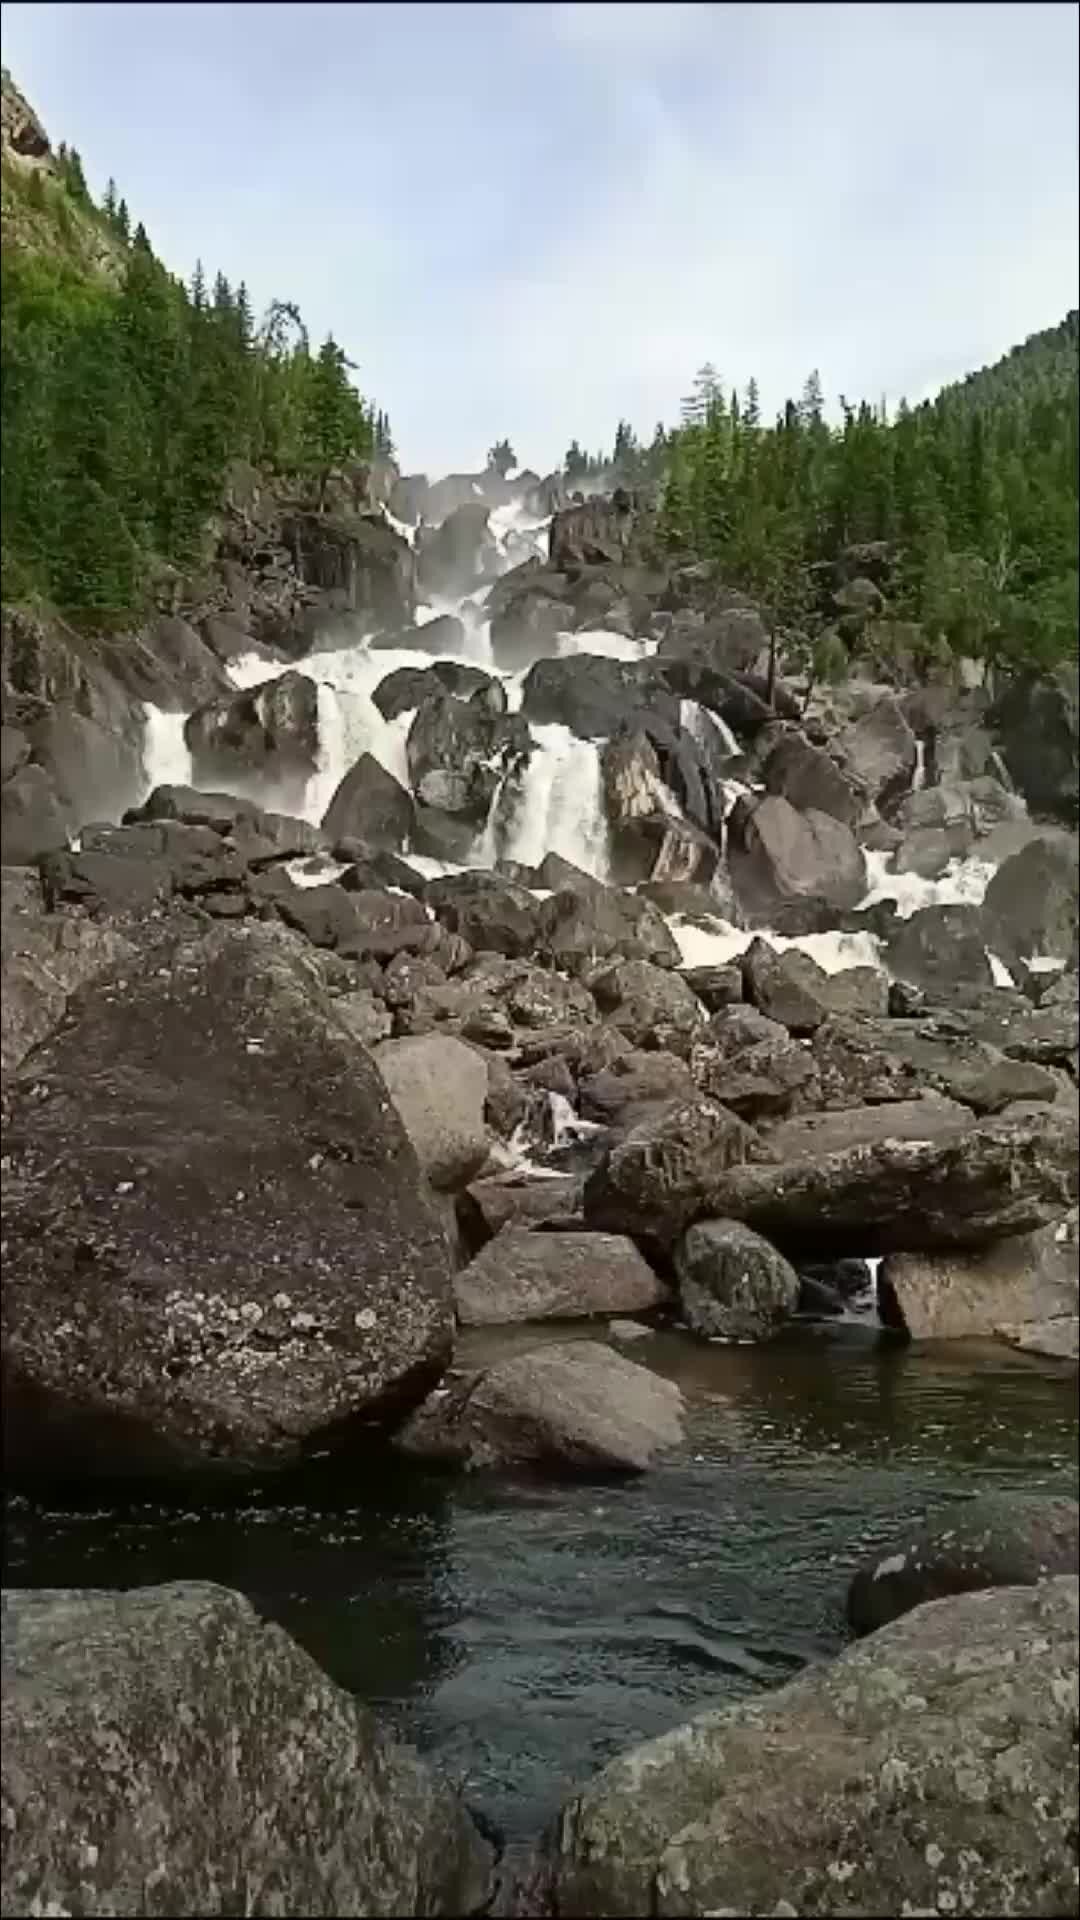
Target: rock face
732, 1284
882, 752
32, 820
1037, 723
1029, 1280
554, 1276
1032, 904
439, 1086
931, 1769
995, 1540
239, 1778
217, 1250
573, 1406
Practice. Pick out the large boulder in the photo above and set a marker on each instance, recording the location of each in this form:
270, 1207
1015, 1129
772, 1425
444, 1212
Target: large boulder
218, 1252
592, 695
370, 805
528, 627
653, 1181
930, 1769
882, 752
792, 989
940, 946
598, 532
809, 778
95, 771
439, 1085
267, 735
996, 1540
1037, 725
166, 1751
630, 1086
492, 914
44, 958
778, 854
1032, 904
732, 1284
917, 1175
871, 1060
453, 556
358, 563
651, 1006
577, 930
1027, 1280
457, 752
733, 640
574, 1406
524, 1275
32, 819
751, 1064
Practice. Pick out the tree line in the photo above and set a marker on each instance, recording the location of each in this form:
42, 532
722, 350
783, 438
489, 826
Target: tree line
125, 399
970, 502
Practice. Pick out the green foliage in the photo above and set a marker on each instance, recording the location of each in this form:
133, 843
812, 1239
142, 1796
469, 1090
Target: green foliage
123, 406
974, 497
501, 458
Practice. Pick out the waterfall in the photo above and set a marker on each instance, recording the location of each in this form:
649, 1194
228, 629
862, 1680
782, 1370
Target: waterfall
558, 806
166, 761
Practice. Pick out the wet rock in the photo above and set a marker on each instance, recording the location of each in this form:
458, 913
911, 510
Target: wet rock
269, 733
732, 1284
732, 641
576, 931
32, 820
439, 835
561, 876
451, 556
438, 1085
716, 987
652, 1006
444, 634
14, 751
528, 627
861, 1060
458, 751
777, 854
808, 778
940, 947
306, 1805
654, 1180
570, 1407
1024, 1279
594, 696
963, 1802
511, 1200
95, 770
996, 1540
407, 688
917, 1175
218, 1252
524, 1275
370, 805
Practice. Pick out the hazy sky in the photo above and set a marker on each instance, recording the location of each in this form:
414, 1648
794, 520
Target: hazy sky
530, 219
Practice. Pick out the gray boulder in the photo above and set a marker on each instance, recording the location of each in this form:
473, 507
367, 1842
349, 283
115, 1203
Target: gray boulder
940, 946
807, 777
571, 1406
996, 1540
651, 1006
439, 1085
44, 958
732, 1284
930, 1769
218, 1250
32, 820
523, 1275
1024, 1281
882, 752
778, 854
1032, 905
239, 1778
370, 805
576, 931
653, 1181
625, 1090
1037, 725
268, 734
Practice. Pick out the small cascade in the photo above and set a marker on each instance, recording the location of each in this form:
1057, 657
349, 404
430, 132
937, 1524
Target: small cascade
963, 883
706, 728
166, 761
919, 778
557, 806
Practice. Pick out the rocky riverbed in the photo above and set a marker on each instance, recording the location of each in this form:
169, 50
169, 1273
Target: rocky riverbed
485, 1049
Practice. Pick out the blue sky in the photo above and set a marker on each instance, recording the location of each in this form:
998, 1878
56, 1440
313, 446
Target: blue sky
531, 219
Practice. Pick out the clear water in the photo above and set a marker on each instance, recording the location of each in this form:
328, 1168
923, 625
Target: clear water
521, 1633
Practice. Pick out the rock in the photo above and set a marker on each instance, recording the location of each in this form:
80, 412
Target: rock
1037, 726
882, 752
595, 697
575, 1406
596, 533
370, 805
871, 1060
524, 1275
407, 688
732, 641
444, 634
510, 1200
653, 1181
14, 751
43, 959
561, 876
439, 1085
32, 820
624, 1092
528, 628
651, 1006
915, 1176
576, 931
655, 848
95, 771
715, 987
305, 1806
458, 751
777, 854
940, 947
751, 1064
964, 1802
218, 1253
809, 778
963, 1294
1032, 904
784, 986
268, 733
732, 1284
452, 556
491, 914
358, 562
995, 1540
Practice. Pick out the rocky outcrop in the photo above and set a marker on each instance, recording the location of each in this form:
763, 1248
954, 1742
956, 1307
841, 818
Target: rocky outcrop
217, 1253
459, 750
238, 1775
963, 1802
567, 1407
525, 1275
267, 737
996, 1540
453, 555
371, 806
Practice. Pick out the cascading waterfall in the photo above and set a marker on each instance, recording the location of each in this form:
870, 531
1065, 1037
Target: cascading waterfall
166, 761
558, 806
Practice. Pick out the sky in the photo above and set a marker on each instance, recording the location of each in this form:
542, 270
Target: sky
532, 220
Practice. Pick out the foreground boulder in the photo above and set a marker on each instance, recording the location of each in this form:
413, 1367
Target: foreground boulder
931, 1769
238, 1777
522, 1275
995, 1540
574, 1405
43, 959
1020, 1288
217, 1250
732, 1284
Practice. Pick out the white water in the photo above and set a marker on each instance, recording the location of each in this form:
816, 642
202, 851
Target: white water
559, 808
963, 883
720, 943
707, 728
166, 761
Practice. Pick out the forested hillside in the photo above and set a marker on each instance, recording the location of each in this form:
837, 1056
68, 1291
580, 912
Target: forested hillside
970, 499
126, 395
